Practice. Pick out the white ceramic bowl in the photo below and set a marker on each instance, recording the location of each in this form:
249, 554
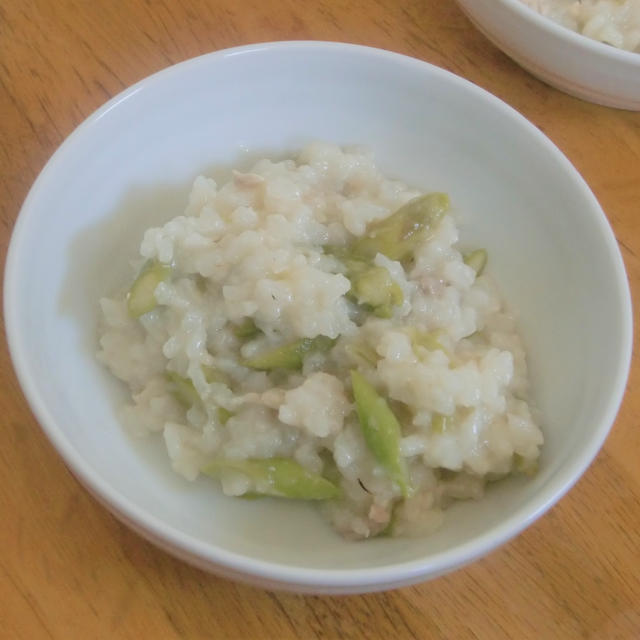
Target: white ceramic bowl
563, 58
132, 163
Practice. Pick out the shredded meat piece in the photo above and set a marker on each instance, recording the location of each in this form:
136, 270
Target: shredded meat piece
379, 514
434, 286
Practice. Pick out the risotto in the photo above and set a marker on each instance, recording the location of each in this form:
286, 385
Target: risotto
614, 22
311, 330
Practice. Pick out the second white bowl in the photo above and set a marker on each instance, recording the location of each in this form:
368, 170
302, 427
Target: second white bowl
564, 59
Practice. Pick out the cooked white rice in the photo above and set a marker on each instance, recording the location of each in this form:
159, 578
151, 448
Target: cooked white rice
253, 248
614, 22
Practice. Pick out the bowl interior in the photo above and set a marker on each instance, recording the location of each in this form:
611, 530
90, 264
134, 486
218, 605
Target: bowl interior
131, 165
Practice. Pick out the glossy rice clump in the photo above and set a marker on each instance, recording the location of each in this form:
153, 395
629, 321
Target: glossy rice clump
312, 330
614, 22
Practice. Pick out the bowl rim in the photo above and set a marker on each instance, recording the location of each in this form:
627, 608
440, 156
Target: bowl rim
574, 37
221, 560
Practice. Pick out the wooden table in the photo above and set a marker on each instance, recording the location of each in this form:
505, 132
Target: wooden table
68, 569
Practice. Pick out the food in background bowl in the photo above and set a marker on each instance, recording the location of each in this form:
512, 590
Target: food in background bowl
311, 330
614, 22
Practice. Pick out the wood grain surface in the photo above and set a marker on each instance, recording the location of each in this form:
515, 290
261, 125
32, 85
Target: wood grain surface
68, 569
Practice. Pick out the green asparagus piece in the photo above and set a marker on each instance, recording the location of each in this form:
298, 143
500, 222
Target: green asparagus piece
375, 287
141, 296
213, 375
476, 260
430, 340
279, 477
440, 423
289, 356
361, 351
398, 235
246, 329
186, 393
371, 285
183, 389
381, 430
